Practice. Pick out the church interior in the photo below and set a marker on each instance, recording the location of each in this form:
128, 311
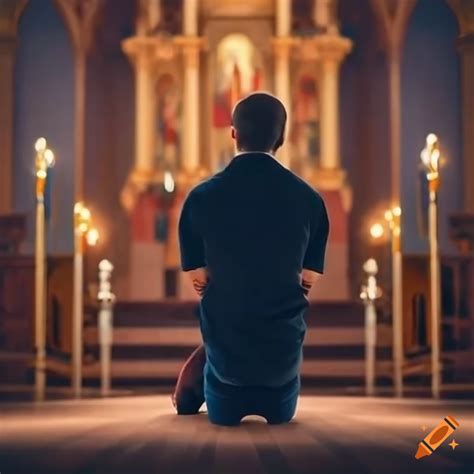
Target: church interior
111, 111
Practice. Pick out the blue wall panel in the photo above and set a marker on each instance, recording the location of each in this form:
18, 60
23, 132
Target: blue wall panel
431, 102
44, 106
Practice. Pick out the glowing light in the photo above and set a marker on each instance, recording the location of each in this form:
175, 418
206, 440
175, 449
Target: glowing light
168, 182
49, 157
77, 207
40, 144
370, 266
376, 230
397, 211
41, 174
85, 214
105, 266
388, 215
92, 237
431, 139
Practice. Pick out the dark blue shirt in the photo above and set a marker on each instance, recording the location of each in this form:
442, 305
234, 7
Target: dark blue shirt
255, 225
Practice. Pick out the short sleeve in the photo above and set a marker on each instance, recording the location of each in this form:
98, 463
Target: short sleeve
316, 250
191, 242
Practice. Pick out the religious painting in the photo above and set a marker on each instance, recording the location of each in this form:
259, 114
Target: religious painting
305, 134
168, 104
238, 72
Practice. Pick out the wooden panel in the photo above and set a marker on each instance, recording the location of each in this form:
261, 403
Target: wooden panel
16, 303
60, 282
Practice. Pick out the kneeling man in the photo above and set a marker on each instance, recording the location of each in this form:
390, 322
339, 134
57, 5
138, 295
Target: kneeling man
253, 239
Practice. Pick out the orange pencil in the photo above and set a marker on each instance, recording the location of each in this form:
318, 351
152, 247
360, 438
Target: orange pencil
436, 437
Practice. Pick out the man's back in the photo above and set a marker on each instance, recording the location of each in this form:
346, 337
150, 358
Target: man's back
254, 225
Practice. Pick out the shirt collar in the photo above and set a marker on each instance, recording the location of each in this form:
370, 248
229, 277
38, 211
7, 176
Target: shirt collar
253, 153
251, 158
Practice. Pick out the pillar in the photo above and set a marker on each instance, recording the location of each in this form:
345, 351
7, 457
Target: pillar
466, 51
144, 115
191, 144
7, 57
331, 49
79, 121
282, 48
282, 44
325, 52
141, 51
324, 15
190, 44
10, 12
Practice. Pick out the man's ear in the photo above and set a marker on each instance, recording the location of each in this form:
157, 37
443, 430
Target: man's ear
280, 140
233, 132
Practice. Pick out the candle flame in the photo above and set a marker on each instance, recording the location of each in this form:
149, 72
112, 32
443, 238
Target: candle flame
92, 237
376, 230
40, 144
168, 182
49, 157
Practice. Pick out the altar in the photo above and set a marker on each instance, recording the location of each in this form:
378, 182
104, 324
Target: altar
187, 80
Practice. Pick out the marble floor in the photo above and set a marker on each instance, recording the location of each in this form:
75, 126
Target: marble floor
143, 435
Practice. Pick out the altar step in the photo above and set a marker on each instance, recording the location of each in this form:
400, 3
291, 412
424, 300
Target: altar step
151, 341
166, 370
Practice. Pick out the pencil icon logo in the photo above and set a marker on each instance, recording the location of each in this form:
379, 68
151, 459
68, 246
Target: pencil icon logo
436, 437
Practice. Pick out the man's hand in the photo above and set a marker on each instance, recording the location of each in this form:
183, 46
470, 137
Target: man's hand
308, 277
200, 279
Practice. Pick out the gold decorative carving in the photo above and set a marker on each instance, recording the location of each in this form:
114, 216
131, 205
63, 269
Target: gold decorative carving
190, 47
148, 50
331, 48
282, 46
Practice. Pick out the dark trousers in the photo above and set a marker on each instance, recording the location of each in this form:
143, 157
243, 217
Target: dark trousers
228, 404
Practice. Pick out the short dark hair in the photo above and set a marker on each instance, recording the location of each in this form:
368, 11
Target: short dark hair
260, 120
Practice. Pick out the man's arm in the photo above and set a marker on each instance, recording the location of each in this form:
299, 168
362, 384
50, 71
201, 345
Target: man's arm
191, 243
313, 263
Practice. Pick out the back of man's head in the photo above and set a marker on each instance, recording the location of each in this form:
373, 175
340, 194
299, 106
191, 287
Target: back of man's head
259, 121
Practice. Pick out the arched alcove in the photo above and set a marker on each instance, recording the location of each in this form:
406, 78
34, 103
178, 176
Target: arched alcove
168, 118
431, 102
238, 71
44, 106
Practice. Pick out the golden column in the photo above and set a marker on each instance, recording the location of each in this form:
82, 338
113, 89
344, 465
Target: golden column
331, 49
282, 43
430, 156
44, 160
190, 44
142, 51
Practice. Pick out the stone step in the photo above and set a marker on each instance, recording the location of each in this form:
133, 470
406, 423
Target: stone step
179, 313
191, 336
127, 352
169, 368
